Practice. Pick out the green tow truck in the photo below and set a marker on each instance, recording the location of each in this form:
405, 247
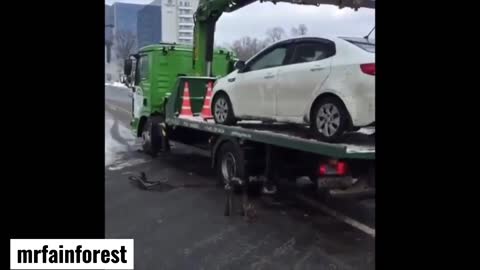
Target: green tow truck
252, 151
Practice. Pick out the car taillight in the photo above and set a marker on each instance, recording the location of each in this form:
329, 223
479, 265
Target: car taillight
335, 167
322, 170
368, 68
341, 168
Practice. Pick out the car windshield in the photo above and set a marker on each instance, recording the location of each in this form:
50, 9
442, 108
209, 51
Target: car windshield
364, 44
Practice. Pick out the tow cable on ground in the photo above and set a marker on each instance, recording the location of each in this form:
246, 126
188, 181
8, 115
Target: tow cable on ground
247, 208
142, 179
148, 185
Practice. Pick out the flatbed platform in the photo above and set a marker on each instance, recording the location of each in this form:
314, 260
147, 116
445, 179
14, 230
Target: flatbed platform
356, 145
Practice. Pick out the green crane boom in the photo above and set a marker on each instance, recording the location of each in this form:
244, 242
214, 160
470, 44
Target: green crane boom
209, 11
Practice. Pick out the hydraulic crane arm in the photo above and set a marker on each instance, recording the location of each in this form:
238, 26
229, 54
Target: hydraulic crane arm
209, 11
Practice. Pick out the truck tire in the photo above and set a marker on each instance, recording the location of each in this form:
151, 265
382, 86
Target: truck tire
330, 119
150, 138
229, 163
222, 110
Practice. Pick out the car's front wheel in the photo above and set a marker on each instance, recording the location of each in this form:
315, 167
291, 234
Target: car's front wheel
330, 119
222, 110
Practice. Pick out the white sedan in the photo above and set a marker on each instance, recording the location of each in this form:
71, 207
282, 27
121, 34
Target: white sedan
327, 83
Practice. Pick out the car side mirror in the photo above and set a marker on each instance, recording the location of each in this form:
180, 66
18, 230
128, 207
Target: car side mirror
127, 67
240, 65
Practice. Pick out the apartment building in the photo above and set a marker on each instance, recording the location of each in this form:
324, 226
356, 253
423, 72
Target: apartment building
177, 20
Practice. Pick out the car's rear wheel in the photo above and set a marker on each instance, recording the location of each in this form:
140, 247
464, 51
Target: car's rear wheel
222, 110
330, 119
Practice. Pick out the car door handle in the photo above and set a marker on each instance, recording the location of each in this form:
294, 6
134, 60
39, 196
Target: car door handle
269, 76
316, 69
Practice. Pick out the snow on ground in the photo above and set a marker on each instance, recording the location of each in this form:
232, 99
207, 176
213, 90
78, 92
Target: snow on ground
127, 163
367, 130
116, 84
112, 146
114, 149
127, 135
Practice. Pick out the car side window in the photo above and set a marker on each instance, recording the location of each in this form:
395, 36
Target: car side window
312, 51
273, 58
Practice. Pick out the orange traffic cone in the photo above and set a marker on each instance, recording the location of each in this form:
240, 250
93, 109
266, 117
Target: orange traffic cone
207, 110
186, 107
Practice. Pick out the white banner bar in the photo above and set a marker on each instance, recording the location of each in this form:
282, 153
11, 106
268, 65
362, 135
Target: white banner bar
71, 254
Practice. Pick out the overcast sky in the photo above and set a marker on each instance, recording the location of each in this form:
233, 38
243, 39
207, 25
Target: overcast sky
254, 20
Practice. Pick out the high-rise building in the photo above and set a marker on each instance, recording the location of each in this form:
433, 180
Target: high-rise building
110, 66
177, 20
125, 17
108, 24
149, 25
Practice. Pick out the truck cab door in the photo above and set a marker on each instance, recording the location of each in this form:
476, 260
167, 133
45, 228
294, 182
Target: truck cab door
141, 86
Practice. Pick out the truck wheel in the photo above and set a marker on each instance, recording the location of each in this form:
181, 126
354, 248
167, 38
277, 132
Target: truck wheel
149, 138
330, 119
222, 110
229, 163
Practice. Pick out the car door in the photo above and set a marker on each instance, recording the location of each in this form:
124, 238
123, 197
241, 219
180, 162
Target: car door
254, 89
307, 70
142, 85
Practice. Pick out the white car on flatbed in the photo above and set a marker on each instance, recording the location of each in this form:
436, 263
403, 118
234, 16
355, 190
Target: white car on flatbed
327, 83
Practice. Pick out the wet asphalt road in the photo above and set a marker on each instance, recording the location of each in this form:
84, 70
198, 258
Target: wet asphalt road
178, 227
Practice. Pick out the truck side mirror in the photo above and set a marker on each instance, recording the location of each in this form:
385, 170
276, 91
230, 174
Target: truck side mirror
127, 67
240, 65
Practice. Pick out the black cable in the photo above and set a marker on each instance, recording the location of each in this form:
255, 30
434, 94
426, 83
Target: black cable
143, 179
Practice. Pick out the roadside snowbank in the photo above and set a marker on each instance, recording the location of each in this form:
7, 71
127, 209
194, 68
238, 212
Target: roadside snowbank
115, 151
112, 146
116, 84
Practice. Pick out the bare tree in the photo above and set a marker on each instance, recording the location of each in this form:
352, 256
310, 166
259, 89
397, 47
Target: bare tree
125, 44
301, 30
275, 34
246, 47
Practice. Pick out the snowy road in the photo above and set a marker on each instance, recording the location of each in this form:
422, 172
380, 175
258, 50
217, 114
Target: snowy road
184, 228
